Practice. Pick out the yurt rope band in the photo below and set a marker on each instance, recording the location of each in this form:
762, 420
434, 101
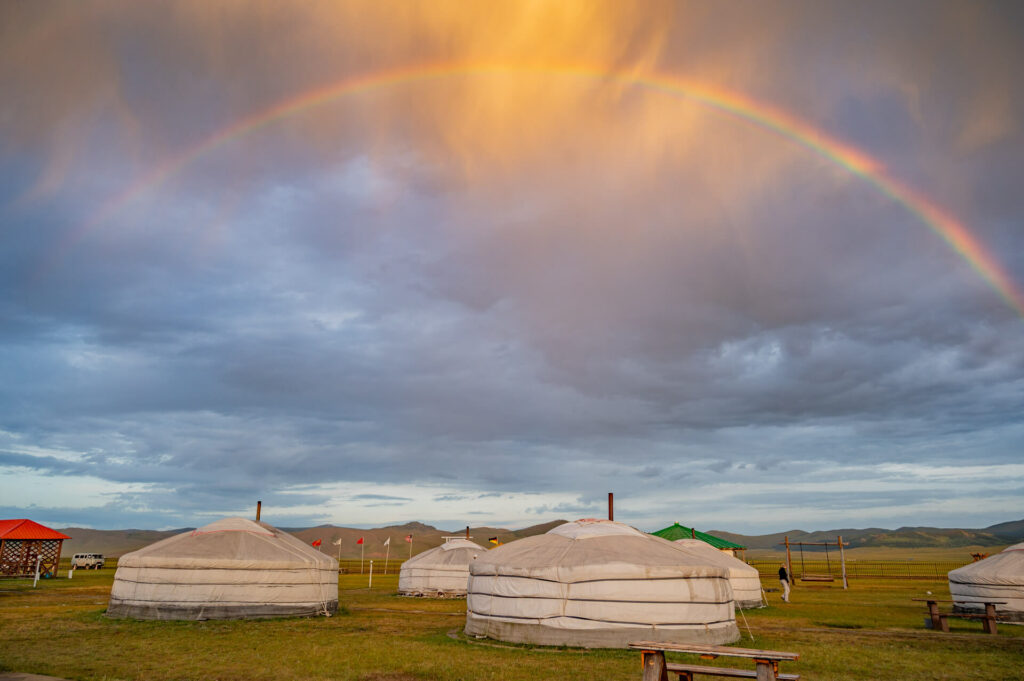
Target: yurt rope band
597, 581
598, 600
592, 619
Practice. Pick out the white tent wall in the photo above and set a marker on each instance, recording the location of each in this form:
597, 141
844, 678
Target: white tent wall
996, 578
232, 568
597, 584
441, 572
744, 579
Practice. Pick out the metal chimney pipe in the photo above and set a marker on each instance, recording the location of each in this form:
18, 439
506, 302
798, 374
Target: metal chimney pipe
611, 506
259, 504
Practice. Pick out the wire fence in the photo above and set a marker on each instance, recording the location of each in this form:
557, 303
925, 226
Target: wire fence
886, 569
380, 566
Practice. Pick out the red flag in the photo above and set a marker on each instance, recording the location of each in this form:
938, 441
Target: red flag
408, 538
360, 541
316, 543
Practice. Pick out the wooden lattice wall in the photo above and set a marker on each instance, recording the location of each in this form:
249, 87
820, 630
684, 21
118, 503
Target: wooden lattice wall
18, 557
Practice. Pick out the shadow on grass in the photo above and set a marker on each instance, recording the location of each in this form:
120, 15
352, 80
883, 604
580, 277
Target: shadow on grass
838, 625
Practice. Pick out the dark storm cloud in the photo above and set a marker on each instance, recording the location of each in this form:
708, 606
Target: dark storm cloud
489, 292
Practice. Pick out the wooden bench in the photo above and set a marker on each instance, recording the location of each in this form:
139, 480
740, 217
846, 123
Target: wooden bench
652, 655
940, 620
686, 672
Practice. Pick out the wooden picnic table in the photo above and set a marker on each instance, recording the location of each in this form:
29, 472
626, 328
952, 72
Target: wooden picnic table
652, 656
939, 619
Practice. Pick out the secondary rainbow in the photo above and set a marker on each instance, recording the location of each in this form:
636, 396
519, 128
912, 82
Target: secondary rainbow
764, 115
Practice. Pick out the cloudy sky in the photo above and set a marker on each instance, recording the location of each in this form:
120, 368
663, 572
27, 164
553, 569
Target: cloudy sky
752, 266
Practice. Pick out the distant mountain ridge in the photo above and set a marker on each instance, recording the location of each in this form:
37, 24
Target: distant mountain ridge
904, 537
114, 543
118, 542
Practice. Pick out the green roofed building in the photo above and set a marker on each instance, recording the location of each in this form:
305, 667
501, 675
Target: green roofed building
676, 531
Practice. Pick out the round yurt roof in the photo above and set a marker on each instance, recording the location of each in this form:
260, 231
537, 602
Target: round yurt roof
591, 549
229, 543
455, 553
1006, 568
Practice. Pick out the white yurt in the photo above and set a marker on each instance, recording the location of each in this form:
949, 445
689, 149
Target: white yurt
996, 578
230, 569
598, 584
744, 579
441, 572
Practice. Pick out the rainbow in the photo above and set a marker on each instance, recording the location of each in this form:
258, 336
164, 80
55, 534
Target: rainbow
951, 230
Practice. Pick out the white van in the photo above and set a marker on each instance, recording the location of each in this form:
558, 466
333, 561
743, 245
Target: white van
88, 561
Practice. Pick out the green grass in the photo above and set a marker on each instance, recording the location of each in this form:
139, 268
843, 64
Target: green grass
872, 631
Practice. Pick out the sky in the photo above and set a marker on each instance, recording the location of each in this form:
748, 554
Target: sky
751, 266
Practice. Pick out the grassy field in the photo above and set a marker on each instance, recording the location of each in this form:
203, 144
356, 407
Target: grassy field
873, 631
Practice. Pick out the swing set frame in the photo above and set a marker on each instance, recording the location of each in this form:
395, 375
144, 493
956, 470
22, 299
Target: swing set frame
808, 577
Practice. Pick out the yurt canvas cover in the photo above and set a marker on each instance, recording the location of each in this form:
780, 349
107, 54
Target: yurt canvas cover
997, 578
744, 579
443, 571
229, 569
599, 584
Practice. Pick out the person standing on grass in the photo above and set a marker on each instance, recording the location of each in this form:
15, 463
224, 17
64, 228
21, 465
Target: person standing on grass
784, 582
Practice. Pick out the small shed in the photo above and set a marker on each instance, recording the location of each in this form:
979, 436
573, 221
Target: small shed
23, 542
675, 532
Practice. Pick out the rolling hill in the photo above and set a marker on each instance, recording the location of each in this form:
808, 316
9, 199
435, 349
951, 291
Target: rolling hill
904, 537
112, 543
118, 542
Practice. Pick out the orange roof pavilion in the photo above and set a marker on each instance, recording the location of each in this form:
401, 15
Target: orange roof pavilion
23, 528
23, 543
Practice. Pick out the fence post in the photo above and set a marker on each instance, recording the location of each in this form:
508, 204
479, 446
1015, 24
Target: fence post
842, 559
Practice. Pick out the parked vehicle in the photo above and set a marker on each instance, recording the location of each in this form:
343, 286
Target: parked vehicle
88, 561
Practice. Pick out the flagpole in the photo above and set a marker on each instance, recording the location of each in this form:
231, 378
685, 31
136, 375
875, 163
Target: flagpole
387, 556
362, 551
410, 547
